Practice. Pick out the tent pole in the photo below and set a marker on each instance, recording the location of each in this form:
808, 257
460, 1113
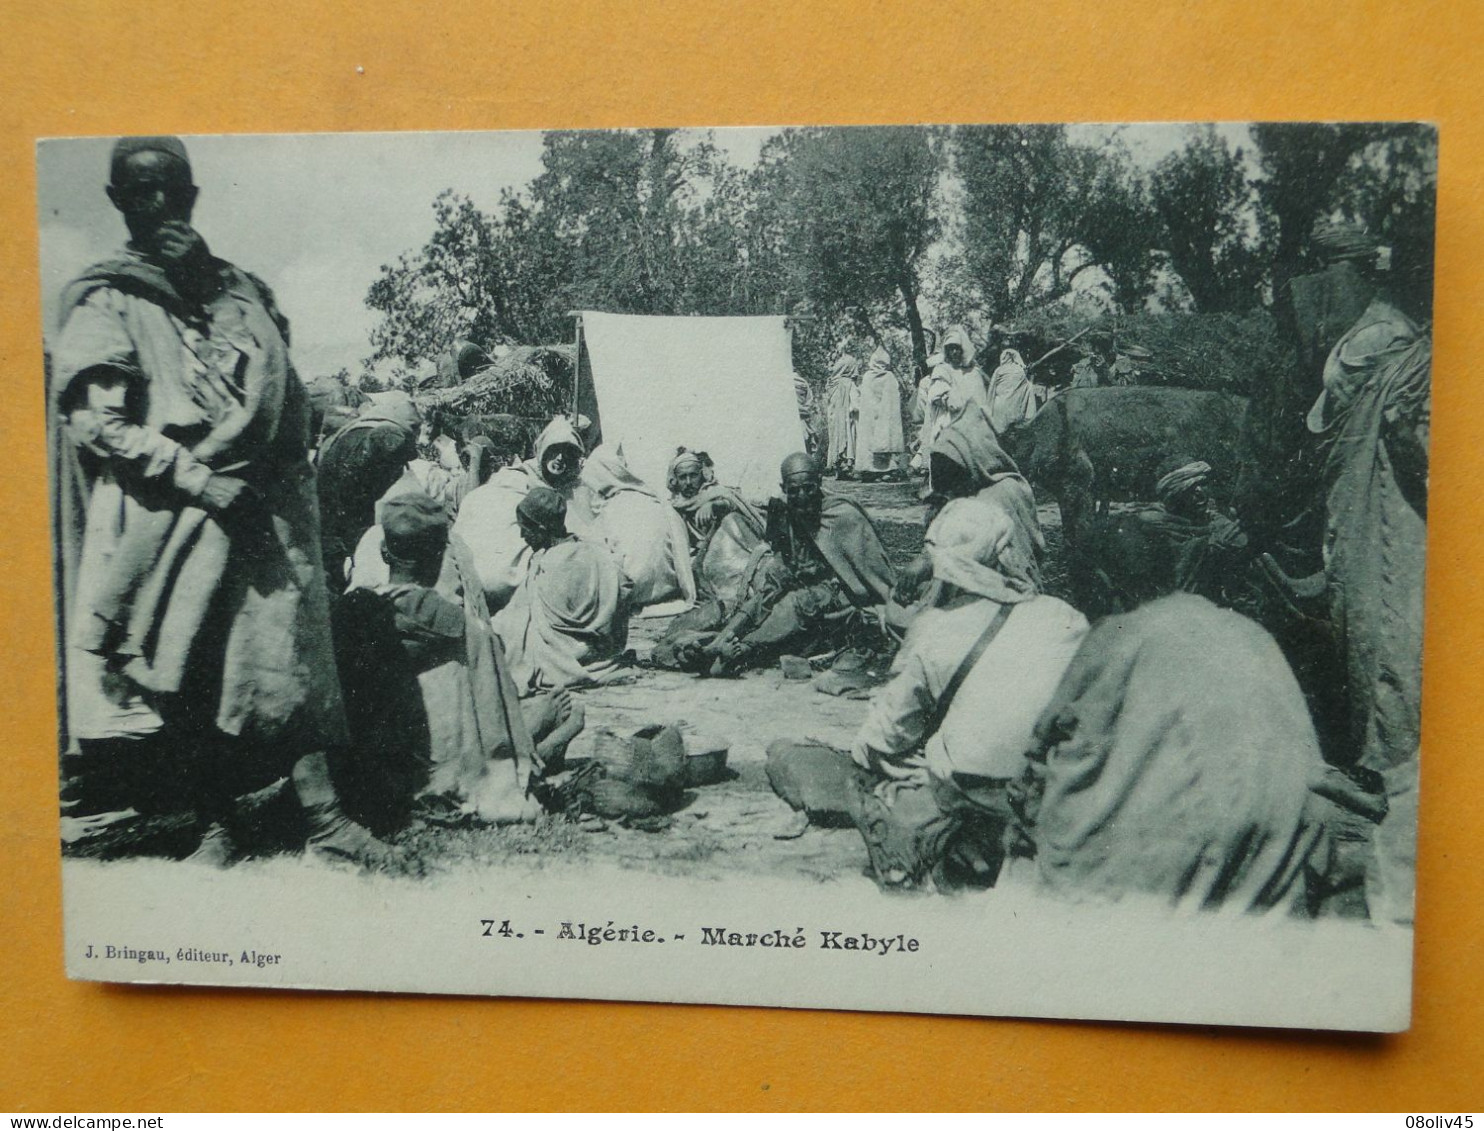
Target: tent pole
576, 361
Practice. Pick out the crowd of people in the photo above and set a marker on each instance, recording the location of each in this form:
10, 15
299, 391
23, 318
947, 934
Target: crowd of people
396, 623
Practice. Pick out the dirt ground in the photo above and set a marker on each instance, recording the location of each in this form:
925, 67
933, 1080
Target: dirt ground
735, 825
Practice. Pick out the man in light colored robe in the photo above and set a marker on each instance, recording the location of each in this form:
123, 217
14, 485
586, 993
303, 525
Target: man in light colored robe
881, 448
567, 623
932, 406
842, 409
1176, 763
965, 380
486, 519
935, 765
1011, 394
645, 534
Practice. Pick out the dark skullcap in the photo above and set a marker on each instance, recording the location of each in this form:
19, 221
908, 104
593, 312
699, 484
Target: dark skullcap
126, 147
544, 509
798, 464
415, 527
1340, 239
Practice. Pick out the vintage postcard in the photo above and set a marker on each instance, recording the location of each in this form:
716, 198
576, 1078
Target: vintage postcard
966, 569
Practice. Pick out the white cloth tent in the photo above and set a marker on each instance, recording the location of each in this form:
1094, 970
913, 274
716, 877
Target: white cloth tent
718, 385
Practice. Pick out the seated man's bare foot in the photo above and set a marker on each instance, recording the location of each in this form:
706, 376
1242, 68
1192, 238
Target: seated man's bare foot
551, 748
542, 713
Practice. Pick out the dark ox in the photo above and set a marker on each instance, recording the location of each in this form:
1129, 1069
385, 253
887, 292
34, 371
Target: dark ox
1090, 447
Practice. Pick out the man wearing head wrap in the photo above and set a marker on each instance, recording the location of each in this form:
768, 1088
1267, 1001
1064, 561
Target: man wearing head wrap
357, 466
723, 530
193, 608
1011, 394
703, 505
963, 378
881, 448
943, 739
1372, 420
829, 571
567, 622
435, 719
1327, 302
486, 518
1182, 542
842, 412
968, 461
1315, 309
644, 534
1174, 763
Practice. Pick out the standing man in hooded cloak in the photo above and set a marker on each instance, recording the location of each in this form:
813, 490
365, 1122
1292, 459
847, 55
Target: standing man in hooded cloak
965, 380
881, 449
1011, 394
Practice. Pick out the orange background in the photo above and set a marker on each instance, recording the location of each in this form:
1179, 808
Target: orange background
125, 66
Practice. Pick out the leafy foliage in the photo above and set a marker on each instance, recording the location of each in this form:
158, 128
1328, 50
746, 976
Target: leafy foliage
1041, 211
872, 234
1217, 241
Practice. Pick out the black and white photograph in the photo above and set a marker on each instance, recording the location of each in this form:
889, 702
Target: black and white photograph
944, 569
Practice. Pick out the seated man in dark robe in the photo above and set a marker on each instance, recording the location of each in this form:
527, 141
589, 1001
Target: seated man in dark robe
435, 722
357, 466
822, 588
1182, 543
1175, 764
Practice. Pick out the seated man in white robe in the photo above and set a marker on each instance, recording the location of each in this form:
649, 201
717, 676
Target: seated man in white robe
567, 623
644, 533
486, 519
942, 742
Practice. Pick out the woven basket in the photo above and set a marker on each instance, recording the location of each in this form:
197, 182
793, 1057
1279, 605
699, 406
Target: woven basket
652, 756
616, 799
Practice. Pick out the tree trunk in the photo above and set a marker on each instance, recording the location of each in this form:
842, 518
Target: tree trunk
914, 323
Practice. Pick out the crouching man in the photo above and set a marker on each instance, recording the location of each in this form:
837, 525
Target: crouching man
435, 721
933, 761
827, 572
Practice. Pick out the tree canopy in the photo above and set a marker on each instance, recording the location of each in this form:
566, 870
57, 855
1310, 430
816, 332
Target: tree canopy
882, 232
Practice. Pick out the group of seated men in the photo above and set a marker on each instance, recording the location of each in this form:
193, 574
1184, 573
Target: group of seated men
465, 608
1010, 739
459, 637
